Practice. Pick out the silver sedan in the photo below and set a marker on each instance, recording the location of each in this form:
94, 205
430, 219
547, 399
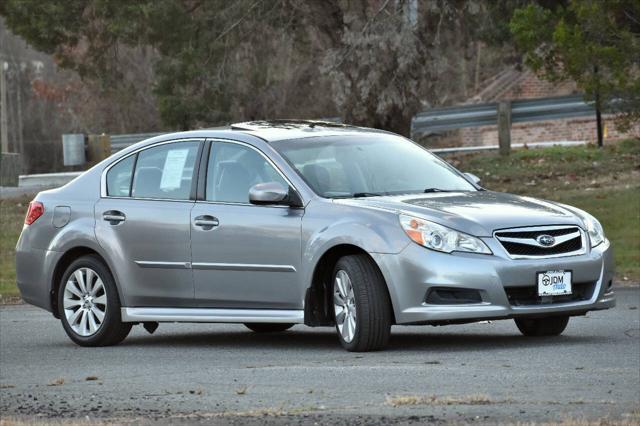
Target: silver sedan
273, 224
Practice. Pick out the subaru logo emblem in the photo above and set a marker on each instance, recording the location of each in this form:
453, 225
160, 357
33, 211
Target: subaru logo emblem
545, 240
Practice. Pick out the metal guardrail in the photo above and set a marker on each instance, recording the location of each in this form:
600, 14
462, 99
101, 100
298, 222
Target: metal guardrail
456, 117
475, 115
550, 108
51, 180
450, 118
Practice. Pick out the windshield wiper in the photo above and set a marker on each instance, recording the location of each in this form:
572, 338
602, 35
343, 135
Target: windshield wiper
428, 190
366, 194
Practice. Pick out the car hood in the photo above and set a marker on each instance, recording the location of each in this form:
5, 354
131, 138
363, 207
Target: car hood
477, 213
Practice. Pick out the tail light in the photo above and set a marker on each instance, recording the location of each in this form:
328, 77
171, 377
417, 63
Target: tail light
36, 209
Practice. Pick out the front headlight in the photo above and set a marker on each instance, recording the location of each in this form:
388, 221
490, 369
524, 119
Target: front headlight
440, 238
594, 229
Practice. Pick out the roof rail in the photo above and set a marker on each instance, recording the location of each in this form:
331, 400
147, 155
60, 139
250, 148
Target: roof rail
286, 124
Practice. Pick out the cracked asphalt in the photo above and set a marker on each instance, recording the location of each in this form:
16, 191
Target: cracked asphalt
225, 374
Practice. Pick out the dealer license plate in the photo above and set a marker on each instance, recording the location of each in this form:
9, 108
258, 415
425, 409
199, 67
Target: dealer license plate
554, 283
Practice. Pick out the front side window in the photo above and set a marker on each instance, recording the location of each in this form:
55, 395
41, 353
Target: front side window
165, 171
233, 169
353, 166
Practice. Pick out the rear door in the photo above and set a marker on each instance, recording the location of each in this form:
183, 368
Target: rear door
143, 222
243, 255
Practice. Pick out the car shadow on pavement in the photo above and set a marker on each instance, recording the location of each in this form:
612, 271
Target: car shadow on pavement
300, 339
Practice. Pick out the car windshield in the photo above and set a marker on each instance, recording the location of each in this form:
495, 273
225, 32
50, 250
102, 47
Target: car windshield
371, 165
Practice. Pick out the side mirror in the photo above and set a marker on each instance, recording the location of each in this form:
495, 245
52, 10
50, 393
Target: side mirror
473, 178
270, 193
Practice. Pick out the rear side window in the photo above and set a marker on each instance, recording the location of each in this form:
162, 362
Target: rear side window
119, 178
165, 172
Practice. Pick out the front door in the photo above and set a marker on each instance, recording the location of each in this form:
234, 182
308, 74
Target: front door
144, 224
243, 255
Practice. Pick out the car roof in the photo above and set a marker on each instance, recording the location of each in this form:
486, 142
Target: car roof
275, 130
266, 130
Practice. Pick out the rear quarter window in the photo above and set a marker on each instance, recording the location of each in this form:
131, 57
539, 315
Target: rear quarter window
119, 178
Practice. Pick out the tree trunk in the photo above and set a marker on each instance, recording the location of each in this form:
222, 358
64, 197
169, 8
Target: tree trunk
599, 121
4, 134
598, 109
476, 77
396, 121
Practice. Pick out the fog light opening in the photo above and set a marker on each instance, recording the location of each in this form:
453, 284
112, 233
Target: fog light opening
452, 296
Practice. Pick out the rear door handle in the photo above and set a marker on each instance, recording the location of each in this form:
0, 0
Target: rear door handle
114, 217
206, 222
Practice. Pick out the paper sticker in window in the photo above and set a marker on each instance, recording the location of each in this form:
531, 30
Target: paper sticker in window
173, 169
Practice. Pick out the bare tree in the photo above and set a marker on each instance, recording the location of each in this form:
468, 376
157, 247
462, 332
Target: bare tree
385, 58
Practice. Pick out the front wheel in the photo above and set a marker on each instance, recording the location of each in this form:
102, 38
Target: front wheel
551, 326
88, 304
361, 304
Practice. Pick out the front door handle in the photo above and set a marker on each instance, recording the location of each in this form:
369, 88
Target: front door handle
206, 222
114, 217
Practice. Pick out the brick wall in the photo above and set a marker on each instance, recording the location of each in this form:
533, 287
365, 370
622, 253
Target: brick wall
530, 86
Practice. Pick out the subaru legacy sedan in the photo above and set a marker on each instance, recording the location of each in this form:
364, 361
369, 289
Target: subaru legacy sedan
277, 223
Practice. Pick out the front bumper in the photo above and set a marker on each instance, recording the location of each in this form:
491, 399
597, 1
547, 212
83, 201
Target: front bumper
411, 273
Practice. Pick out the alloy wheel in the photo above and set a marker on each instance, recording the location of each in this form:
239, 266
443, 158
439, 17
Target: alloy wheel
85, 301
344, 306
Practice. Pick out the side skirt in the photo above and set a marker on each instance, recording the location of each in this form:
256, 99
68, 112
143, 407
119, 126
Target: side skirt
295, 316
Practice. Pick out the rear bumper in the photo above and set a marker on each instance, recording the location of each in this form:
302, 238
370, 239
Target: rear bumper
411, 273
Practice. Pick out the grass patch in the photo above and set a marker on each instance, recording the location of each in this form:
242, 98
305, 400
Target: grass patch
605, 182
479, 399
619, 212
12, 212
57, 382
543, 172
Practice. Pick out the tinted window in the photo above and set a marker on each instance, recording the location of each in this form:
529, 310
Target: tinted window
372, 164
165, 171
119, 178
234, 169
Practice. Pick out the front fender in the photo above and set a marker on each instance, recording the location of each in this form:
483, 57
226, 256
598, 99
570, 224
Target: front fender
372, 230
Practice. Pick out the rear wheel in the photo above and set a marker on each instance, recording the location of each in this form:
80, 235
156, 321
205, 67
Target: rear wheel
89, 305
268, 328
361, 304
551, 326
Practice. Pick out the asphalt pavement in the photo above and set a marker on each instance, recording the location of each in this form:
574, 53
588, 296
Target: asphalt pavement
226, 374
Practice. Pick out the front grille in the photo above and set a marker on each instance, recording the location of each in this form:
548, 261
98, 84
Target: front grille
527, 250
524, 242
526, 296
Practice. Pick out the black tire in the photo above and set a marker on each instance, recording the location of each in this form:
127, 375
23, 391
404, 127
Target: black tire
268, 327
372, 304
112, 330
551, 326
